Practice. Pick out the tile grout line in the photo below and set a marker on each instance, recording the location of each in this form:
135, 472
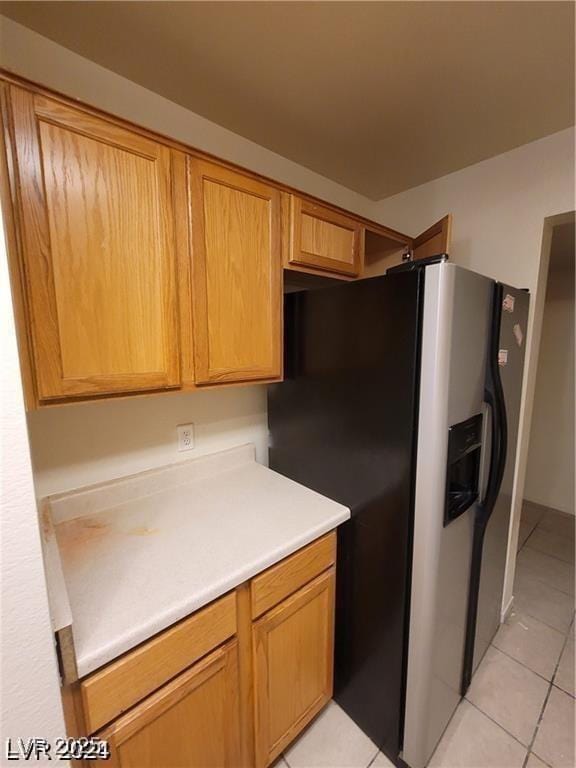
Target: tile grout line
374, 758
549, 533
545, 704
525, 545
551, 681
538, 674
506, 731
543, 552
547, 583
568, 639
561, 631
527, 537
546, 554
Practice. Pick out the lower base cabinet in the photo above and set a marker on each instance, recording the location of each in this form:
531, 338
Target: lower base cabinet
229, 686
293, 665
192, 721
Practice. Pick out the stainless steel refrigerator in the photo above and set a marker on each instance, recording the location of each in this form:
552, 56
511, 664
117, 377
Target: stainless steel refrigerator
401, 400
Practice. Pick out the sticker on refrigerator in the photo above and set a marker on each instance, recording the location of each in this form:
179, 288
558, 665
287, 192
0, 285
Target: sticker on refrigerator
502, 357
508, 303
518, 335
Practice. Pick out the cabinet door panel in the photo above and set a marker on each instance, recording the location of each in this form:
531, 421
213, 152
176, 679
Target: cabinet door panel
99, 253
294, 650
324, 239
190, 723
236, 275
435, 240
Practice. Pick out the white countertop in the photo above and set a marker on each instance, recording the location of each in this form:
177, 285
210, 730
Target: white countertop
140, 553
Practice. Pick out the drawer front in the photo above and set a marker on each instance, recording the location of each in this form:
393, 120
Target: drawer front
324, 239
118, 686
281, 580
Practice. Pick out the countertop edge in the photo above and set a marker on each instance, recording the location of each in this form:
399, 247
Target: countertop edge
57, 591
89, 664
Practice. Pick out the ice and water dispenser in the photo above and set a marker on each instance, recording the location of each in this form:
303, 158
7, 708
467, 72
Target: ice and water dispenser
463, 470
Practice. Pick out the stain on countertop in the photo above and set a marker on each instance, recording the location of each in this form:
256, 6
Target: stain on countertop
143, 530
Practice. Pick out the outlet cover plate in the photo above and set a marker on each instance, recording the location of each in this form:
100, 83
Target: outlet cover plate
185, 434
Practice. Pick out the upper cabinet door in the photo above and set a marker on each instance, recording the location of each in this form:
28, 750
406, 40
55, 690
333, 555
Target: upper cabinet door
434, 241
236, 273
97, 236
324, 239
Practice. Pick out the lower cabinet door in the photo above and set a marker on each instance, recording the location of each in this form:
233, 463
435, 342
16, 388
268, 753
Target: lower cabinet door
294, 652
192, 722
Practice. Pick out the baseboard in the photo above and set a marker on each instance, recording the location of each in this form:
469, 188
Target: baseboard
545, 508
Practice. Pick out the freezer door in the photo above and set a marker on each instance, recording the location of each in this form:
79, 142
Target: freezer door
511, 349
456, 317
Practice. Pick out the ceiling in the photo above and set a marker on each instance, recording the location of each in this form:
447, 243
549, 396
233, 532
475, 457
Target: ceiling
379, 96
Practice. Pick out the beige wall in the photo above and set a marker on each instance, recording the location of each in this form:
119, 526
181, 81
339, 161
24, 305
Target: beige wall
86, 443
30, 703
75, 445
503, 209
28, 54
550, 471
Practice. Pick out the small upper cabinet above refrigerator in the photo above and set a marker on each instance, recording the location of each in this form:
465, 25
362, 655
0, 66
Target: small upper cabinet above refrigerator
435, 240
323, 239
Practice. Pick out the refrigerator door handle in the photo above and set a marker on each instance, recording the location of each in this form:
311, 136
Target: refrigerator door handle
494, 396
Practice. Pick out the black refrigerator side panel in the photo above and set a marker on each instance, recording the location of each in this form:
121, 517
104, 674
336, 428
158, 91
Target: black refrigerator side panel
344, 423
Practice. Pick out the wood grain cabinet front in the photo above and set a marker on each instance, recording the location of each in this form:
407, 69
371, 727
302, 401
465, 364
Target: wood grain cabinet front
139, 264
113, 689
236, 275
293, 665
324, 239
95, 212
192, 722
435, 241
229, 686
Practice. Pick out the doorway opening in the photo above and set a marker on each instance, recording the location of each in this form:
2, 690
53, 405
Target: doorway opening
538, 635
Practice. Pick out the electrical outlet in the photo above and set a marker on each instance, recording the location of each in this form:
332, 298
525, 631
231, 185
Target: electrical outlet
185, 434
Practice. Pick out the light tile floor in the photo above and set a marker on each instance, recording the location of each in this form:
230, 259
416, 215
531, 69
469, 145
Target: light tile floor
519, 711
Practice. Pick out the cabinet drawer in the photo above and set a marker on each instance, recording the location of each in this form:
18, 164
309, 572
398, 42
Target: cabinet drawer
286, 577
118, 686
324, 239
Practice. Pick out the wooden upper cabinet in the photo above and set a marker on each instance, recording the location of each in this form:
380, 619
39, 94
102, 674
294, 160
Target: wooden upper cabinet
323, 239
236, 275
95, 213
435, 240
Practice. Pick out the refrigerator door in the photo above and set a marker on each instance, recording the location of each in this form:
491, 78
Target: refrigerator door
511, 353
343, 423
456, 318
